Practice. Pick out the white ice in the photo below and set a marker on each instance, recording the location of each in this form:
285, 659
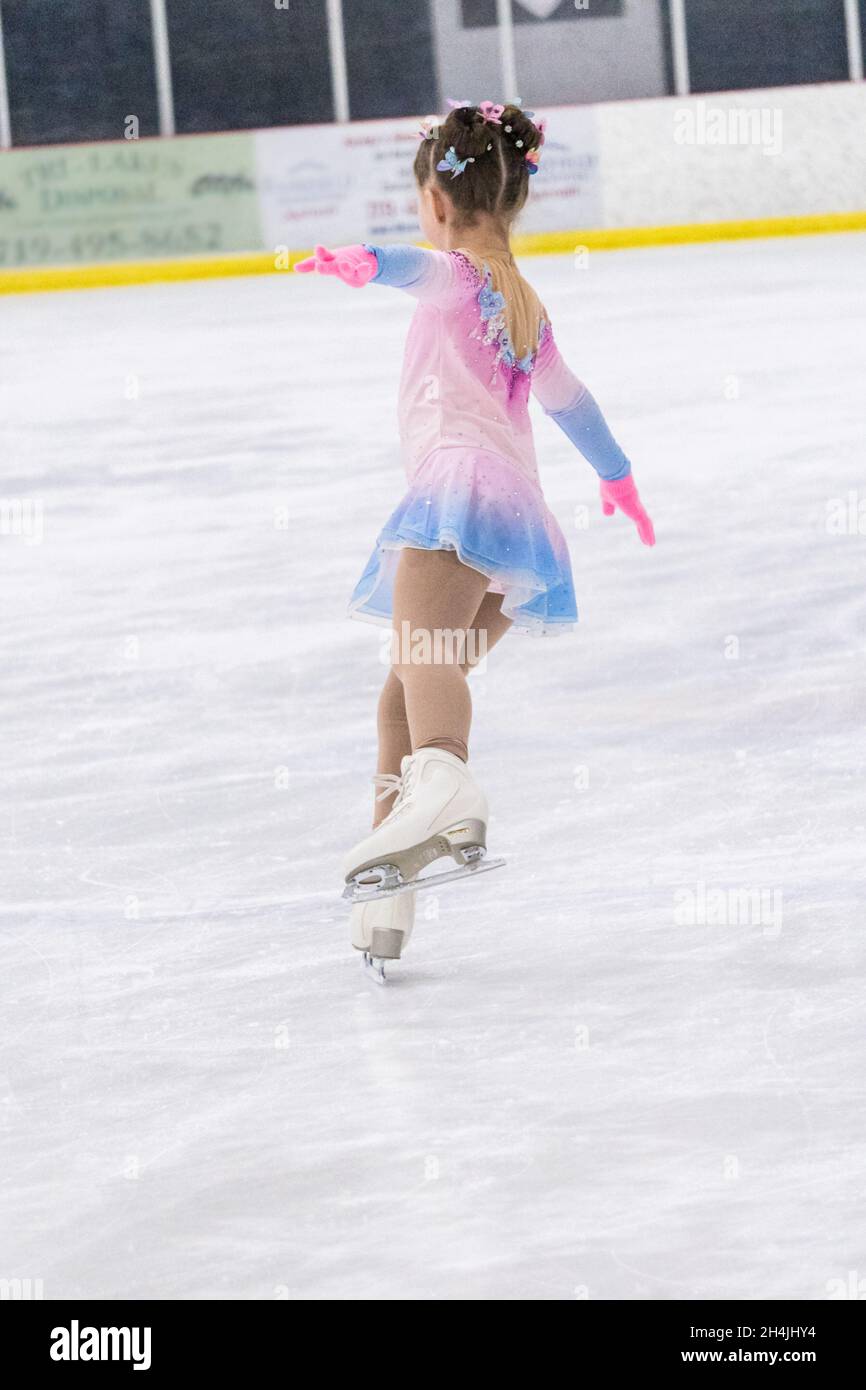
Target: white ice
566, 1090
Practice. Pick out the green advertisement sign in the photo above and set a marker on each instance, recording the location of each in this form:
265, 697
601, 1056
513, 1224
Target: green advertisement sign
129, 200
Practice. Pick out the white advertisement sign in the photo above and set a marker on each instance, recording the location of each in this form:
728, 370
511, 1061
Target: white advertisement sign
337, 183
566, 191
349, 183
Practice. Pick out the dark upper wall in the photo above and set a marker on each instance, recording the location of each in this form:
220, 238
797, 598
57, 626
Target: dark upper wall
77, 69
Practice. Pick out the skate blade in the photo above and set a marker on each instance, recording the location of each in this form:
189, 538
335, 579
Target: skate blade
417, 885
374, 968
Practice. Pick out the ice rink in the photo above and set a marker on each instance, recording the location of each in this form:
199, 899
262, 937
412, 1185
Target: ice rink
628, 1066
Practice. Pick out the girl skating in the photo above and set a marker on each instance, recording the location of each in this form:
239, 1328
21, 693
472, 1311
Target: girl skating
472, 549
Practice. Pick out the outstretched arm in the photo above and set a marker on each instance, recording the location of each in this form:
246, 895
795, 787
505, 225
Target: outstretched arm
431, 276
572, 405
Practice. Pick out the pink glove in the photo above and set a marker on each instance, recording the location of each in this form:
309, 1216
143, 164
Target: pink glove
354, 265
623, 494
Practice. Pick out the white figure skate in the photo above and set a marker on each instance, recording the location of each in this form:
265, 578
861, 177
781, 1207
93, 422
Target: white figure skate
381, 929
439, 811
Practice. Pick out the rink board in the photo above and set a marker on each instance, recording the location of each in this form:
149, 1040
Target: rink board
544, 243
765, 163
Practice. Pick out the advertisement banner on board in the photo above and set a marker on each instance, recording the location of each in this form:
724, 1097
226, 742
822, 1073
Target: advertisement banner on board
128, 200
336, 184
210, 195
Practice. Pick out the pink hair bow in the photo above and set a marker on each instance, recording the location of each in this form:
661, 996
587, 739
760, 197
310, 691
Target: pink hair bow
491, 112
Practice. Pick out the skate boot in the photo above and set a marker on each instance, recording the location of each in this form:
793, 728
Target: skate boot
381, 929
439, 811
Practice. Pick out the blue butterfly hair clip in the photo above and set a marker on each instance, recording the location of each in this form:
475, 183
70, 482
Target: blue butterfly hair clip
453, 163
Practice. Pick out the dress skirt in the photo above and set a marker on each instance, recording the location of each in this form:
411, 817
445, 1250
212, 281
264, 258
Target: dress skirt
496, 519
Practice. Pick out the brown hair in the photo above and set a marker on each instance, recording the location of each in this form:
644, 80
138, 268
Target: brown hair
497, 180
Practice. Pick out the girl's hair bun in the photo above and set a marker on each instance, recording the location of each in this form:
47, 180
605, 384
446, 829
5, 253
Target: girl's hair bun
467, 131
519, 131
491, 142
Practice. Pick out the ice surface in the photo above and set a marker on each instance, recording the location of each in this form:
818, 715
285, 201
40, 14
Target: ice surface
565, 1091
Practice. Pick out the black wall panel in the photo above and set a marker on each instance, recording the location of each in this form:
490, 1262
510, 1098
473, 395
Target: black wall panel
389, 49
238, 64
735, 44
77, 68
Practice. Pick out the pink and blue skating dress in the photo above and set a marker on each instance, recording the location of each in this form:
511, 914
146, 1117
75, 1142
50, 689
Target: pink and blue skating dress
468, 448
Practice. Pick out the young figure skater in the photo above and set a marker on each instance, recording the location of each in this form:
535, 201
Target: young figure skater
472, 547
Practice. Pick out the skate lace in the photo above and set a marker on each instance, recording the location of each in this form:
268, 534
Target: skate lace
394, 782
407, 782
389, 782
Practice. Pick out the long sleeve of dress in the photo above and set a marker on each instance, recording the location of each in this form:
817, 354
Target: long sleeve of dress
571, 404
431, 277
